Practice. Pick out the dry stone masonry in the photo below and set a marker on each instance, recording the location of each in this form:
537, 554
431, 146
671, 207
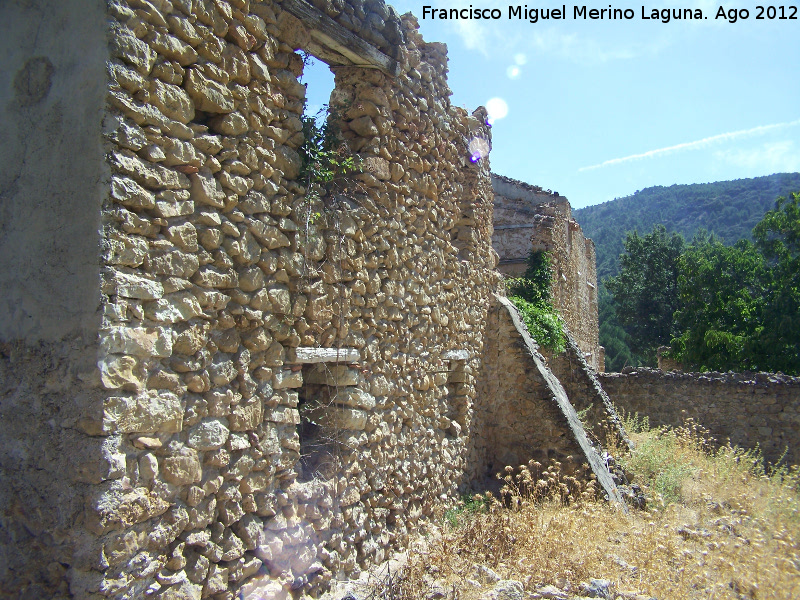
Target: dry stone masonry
747, 409
230, 330
216, 382
530, 218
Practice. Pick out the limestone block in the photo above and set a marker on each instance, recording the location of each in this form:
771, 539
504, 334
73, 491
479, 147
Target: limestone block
351, 396
284, 414
322, 355
183, 28
222, 373
246, 417
251, 279
174, 263
380, 386
263, 586
173, 48
131, 286
129, 193
233, 124
270, 235
184, 235
148, 412
137, 341
350, 496
280, 298
208, 95
190, 341
124, 44
121, 372
184, 590
117, 508
206, 189
173, 101
212, 277
364, 126
254, 482
173, 308
183, 467
379, 167
209, 434
208, 143
286, 378
148, 174
126, 250
181, 208
287, 161
257, 340
216, 581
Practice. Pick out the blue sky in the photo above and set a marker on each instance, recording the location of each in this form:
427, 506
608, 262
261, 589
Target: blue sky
598, 109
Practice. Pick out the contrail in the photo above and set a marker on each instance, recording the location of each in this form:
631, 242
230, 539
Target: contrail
722, 137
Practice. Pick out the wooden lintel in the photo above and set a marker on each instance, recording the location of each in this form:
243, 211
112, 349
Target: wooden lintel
333, 36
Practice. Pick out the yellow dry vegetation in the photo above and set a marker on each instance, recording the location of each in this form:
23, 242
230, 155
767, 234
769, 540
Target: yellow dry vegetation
717, 526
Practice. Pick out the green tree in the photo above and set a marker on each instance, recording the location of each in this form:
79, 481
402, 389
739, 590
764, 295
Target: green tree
721, 292
646, 289
741, 304
612, 335
777, 236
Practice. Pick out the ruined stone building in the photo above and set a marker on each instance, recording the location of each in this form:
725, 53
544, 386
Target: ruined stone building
526, 218
214, 382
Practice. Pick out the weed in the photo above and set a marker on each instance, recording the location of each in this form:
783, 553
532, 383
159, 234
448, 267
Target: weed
719, 524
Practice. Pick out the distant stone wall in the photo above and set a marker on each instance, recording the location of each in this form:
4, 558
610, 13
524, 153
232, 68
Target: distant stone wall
529, 218
517, 207
214, 385
748, 409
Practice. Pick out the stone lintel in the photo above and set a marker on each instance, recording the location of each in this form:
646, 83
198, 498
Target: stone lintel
456, 355
307, 355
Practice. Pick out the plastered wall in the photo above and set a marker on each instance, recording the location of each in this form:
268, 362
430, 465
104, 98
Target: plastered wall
52, 93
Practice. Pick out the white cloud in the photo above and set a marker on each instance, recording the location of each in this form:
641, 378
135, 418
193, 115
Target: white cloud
771, 157
696, 145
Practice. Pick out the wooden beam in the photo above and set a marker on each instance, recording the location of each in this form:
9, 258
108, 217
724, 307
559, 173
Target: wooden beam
333, 36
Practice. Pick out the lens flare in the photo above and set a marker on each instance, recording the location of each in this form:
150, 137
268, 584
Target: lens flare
497, 109
513, 72
478, 149
520, 59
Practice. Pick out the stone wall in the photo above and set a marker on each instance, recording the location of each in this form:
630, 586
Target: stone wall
529, 218
230, 394
517, 206
748, 409
524, 413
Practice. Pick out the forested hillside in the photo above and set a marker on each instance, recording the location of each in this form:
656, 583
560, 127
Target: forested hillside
730, 209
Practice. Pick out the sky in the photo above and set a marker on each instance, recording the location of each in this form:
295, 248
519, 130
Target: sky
598, 109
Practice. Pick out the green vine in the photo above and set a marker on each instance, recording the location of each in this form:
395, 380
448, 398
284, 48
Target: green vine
531, 295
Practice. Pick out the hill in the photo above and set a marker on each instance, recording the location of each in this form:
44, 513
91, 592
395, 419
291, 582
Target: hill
730, 209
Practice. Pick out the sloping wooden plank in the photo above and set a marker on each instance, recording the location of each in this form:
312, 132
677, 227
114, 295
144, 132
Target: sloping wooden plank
333, 36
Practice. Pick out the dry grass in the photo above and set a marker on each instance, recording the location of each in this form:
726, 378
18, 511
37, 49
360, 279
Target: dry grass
717, 526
